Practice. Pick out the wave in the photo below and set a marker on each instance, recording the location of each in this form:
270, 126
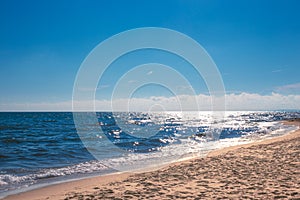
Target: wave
12, 181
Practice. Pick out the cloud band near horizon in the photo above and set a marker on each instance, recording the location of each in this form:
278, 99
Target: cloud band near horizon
243, 101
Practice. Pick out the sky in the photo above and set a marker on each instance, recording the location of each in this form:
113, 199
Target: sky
254, 44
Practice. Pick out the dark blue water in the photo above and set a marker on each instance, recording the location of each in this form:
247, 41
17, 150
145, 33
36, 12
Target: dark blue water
28, 140
41, 147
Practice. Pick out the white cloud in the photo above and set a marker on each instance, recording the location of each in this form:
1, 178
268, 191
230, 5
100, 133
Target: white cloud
242, 101
252, 101
150, 72
277, 71
103, 86
291, 88
132, 81
43, 106
85, 89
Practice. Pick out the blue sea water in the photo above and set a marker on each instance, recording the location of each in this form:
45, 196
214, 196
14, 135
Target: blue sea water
40, 148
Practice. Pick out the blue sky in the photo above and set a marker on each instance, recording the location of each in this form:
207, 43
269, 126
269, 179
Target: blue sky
255, 44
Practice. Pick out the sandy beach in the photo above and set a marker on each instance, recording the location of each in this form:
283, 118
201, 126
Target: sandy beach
268, 169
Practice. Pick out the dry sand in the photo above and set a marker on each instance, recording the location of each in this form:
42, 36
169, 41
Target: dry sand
263, 170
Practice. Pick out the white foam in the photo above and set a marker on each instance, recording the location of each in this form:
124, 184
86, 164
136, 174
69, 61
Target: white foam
81, 168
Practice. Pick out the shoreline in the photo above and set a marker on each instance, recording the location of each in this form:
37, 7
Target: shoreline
90, 187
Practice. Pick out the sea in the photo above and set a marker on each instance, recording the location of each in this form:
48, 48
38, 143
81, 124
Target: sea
43, 148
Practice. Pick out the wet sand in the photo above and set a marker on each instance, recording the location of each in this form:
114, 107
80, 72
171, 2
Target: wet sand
269, 169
